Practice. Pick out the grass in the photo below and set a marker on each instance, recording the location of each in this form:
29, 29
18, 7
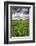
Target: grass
20, 28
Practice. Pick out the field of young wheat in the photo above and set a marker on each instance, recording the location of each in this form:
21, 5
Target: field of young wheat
19, 28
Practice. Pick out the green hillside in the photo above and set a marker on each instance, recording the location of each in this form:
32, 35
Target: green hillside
20, 28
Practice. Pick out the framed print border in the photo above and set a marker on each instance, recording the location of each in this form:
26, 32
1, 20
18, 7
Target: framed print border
6, 37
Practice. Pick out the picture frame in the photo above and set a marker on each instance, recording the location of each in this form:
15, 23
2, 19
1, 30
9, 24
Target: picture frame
21, 13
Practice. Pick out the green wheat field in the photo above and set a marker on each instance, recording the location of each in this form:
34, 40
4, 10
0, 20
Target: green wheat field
19, 28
